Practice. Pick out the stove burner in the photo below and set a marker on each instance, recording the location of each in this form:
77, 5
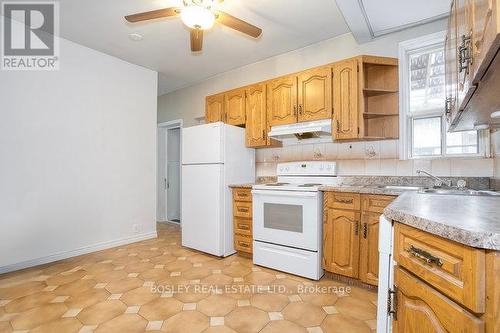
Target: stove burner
309, 185
277, 184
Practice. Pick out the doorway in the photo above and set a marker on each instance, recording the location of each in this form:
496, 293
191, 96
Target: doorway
169, 171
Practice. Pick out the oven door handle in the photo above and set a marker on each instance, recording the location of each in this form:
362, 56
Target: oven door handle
286, 193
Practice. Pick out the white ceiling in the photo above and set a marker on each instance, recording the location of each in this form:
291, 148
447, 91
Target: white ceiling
368, 19
287, 25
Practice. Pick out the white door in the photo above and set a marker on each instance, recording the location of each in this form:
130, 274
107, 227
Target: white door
287, 218
202, 208
203, 144
173, 194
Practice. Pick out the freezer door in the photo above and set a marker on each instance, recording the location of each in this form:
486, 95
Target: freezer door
202, 208
203, 144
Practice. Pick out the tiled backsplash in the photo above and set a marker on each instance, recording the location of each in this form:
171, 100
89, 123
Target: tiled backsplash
373, 158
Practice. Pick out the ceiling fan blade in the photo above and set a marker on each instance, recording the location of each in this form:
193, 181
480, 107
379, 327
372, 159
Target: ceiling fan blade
237, 24
154, 14
196, 40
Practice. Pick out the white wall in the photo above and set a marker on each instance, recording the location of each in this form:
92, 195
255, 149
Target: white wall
189, 103
78, 157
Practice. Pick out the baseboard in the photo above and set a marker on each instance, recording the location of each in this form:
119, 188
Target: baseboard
77, 252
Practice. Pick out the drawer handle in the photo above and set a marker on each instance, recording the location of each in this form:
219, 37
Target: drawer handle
243, 195
424, 256
243, 209
345, 201
243, 244
365, 230
243, 227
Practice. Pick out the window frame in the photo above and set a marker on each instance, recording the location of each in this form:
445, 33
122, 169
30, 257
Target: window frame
407, 48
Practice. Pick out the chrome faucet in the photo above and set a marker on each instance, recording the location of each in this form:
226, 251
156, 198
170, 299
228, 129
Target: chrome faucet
438, 182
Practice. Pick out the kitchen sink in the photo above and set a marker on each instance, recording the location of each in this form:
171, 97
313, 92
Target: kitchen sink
458, 192
397, 187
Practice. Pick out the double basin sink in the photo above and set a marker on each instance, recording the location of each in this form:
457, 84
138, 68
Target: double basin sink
441, 191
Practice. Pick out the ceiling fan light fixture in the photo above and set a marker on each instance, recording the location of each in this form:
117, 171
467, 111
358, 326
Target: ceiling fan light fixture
197, 17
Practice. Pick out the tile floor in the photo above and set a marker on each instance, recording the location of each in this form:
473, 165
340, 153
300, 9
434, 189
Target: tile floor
157, 285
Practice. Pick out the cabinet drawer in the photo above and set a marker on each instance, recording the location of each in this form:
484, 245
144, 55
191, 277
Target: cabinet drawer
339, 200
455, 270
375, 203
242, 209
242, 226
242, 194
421, 308
243, 243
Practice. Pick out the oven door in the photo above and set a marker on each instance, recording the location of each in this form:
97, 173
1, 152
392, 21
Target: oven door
288, 218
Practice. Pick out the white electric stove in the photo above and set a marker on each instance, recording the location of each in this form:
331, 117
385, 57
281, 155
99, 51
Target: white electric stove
287, 218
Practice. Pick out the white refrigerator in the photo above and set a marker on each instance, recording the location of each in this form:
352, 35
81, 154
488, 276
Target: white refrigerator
213, 157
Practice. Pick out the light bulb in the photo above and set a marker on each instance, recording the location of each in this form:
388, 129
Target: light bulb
197, 17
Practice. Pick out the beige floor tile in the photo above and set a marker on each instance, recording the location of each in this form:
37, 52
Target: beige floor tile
320, 299
178, 266
216, 321
260, 278
74, 288
186, 322
38, 316
270, 302
139, 296
124, 323
356, 308
304, 314
155, 274
188, 306
216, 305
138, 267
219, 329
28, 302
247, 319
196, 273
161, 309
60, 279
21, 290
87, 298
244, 302
218, 280
154, 325
101, 312
275, 315
283, 326
190, 297
330, 309
66, 325
110, 276
339, 323
71, 313
124, 285
5, 327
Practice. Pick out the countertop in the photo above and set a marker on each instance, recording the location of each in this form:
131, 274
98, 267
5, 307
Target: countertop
364, 189
245, 185
469, 220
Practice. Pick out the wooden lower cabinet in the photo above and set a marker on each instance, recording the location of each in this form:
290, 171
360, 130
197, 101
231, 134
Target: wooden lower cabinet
368, 248
341, 242
242, 220
422, 309
350, 234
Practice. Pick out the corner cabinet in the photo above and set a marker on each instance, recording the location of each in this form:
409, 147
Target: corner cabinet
471, 59
214, 108
350, 234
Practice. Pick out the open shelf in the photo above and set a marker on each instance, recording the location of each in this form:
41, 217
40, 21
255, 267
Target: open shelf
376, 92
377, 115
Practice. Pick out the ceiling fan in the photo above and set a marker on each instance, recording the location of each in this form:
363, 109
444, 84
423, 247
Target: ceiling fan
199, 15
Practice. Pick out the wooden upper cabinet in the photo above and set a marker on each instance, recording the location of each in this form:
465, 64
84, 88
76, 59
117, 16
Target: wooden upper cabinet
256, 118
214, 108
341, 242
422, 309
345, 100
465, 50
282, 101
451, 67
235, 107
485, 30
368, 254
315, 94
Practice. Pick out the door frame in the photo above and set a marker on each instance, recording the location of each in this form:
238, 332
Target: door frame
161, 174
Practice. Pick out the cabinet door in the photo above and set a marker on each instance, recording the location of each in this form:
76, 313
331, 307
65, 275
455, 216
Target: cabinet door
256, 122
315, 94
345, 99
465, 52
282, 101
451, 67
214, 108
486, 27
235, 107
422, 309
341, 242
368, 254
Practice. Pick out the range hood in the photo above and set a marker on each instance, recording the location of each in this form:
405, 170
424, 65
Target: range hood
306, 132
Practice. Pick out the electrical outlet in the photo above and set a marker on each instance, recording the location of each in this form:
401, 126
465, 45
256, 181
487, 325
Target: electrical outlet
136, 228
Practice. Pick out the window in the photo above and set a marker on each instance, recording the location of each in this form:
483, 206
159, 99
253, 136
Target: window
423, 125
